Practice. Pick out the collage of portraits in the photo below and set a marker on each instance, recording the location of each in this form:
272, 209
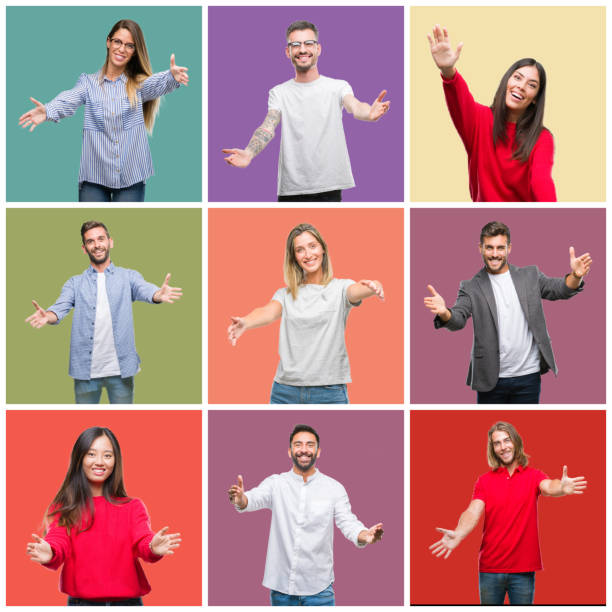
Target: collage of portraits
213, 208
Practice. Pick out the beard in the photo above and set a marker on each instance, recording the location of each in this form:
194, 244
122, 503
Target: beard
303, 467
98, 259
503, 262
303, 67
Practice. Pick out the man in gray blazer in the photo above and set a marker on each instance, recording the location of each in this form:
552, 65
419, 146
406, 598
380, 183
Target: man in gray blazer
511, 347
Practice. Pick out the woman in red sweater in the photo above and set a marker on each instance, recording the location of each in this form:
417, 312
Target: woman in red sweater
510, 153
96, 531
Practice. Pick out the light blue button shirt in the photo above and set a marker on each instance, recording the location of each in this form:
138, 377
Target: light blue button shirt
300, 558
115, 149
80, 292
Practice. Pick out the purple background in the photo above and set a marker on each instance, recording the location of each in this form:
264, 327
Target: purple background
444, 251
362, 449
362, 45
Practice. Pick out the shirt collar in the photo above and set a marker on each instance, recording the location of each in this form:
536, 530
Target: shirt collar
121, 78
503, 468
301, 479
110, 269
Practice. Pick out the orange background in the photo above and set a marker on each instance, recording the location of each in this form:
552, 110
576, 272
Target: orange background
159, 449
245, 267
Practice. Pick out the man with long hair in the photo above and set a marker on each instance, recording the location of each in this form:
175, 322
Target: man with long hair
511, 343
508, 497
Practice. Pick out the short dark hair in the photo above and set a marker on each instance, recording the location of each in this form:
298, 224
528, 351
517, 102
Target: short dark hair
302, 25
495, 228
298, 428
88, 225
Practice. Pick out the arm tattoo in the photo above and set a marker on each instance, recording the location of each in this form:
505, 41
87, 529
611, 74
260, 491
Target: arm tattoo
264, 133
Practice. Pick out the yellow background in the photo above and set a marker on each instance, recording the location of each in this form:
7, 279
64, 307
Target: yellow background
568, 41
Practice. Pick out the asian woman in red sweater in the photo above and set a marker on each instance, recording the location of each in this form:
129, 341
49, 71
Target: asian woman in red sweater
510, 152
96, 531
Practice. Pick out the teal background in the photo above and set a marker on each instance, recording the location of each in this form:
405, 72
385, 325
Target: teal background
47, 48
44, 251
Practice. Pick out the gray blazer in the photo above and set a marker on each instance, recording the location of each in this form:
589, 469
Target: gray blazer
476, 299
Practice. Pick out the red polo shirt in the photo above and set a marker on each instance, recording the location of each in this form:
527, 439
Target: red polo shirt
510, 540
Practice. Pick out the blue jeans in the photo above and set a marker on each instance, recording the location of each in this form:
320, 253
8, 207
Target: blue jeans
326, 394
77, 601
513, 390
120, 390
91, 192
520, 587
325, 598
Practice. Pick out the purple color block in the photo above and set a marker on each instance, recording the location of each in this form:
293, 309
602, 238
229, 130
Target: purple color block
444, 251
362, 449
362, 45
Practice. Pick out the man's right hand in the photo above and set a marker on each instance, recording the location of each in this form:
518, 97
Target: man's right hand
236, 494
240, 158
449, 541
436, 304
40, 317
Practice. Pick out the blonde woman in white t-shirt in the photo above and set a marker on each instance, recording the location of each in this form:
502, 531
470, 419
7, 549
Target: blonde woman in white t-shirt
313, 309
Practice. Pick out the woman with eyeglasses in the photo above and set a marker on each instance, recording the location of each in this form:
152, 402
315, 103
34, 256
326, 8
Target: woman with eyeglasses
313, 308
97, 532
121, 103
510, 152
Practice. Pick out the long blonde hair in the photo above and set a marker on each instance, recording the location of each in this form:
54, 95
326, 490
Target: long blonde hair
294, 275
521, 457
137, 70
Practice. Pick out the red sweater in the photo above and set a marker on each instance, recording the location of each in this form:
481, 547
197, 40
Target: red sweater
101, 562
494, 175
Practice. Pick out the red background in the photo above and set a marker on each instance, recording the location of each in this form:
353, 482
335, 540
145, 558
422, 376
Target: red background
246, 249
448, 453
159, 448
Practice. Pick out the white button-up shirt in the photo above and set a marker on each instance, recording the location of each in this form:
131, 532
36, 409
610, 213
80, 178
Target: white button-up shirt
300, 547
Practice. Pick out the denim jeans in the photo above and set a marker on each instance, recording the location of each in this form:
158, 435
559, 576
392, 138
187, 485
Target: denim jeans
326, 394
120, 390
91, 192
77, 601
325, 598
520, 587
513, 390
324, 196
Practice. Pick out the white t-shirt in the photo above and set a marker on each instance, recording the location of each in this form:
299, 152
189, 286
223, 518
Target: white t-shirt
313, 154
518, 352
104, 360
311, 339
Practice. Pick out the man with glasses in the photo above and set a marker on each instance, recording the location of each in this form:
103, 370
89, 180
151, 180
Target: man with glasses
511, 344
314, 164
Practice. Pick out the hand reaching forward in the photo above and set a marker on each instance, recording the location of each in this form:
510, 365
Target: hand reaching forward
39, 551
378, 108
236, 493
435, 303
164, 543
34, 117
377, 288
580, 265
179, 72
236, 329
442, 52
446, 544
40, 317
240, 158
572, 486
166, 293
371, 535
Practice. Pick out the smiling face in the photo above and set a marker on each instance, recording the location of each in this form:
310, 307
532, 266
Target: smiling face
98, 463
521, 90
303, 57
309, 254
97, 245
120, 54
304, 452
503, 447
495, 251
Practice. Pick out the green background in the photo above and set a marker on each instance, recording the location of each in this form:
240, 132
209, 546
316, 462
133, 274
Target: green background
47, 48
44, 250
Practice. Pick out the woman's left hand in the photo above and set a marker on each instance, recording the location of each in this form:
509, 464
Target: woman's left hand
179, 72
375, 286
164, 543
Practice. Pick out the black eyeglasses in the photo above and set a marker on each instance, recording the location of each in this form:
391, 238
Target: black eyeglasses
309, 44
117, 44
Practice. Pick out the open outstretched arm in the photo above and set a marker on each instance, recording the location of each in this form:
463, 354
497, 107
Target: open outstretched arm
164, 543
442, 51
563, 486
451, 539
580, 268
436, 304
256, 318
39, 550
371, 535
166, 293
241, 158
236, 494
365, 289
41, 317
364, 111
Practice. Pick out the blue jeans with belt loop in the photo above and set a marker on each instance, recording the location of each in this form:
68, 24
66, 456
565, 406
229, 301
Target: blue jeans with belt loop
324, 394
325, 598
520, 587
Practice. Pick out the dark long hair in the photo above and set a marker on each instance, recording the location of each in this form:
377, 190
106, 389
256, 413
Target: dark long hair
530, 124
73, 501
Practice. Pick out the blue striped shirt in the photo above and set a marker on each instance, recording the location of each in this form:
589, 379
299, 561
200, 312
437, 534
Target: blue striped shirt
115, 150
80, 292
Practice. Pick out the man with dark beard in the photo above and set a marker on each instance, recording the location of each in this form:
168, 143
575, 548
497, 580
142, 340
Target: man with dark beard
508, 497
299, 564
102, 346
314, 164
511, 344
